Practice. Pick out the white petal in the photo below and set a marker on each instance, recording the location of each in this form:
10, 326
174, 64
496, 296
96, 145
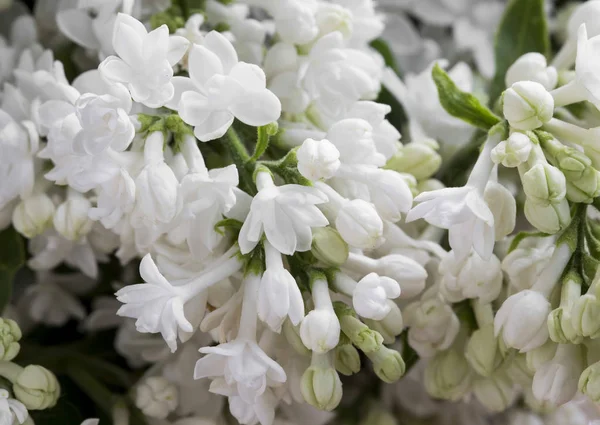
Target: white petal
180, 85
257, 108
77, 25
177, 48
216, 125
220, 46
203, 64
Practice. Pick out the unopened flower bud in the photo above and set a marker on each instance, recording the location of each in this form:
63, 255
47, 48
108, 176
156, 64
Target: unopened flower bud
586, 188
10, 335
36, 387
544, 184
496, 393
33, 215
347, 359
572, 162
387, 364
71, 219
589, 382
320, 330
527, 105
156, 397
584, 316
532, 67
318, 159
514, 151
419, 159
371, 295
482, 351
560, 327
329, 247
448, 375
366, 339
521, 320
321, 386
549, 218
359, 224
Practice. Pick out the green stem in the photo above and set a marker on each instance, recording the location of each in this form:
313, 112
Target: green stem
101, 395
10, 370
241, 159
264, 133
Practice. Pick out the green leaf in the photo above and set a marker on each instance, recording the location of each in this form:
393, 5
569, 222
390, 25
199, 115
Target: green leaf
462, 105
523, 29
12, 258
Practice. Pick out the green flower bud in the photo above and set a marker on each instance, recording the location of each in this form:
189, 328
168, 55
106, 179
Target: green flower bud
321, 386
347, 359
496, 393
387, 364
36, 387
584, 316
448, 375
586, 188
329, 247
482, 351
560, 327
419, 159
589, 382
559, 321
360, 334
544, 184
572, 162
549, 218
10, 335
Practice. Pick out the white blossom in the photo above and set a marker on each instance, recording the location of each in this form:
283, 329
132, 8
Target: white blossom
145, 60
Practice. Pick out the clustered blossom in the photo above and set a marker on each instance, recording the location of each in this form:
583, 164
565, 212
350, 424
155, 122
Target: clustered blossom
241, 165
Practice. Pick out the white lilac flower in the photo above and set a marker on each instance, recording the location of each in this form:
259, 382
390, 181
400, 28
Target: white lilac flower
143, 301
284, 214
463, 210
11, 410
145, 60
220, 88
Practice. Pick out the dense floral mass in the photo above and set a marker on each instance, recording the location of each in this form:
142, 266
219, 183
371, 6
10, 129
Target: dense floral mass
299, 212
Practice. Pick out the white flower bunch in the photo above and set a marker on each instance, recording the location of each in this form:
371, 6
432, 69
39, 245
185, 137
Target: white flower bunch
233, 172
